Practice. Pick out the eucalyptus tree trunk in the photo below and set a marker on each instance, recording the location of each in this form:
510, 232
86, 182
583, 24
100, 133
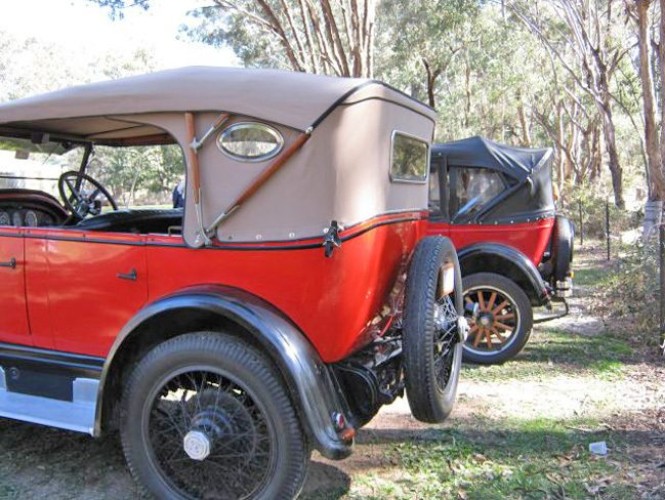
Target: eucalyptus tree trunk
661, 59
652, 140
596, 58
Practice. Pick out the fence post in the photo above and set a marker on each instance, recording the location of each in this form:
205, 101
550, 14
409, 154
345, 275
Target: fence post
607, 226
661, 249
579, 203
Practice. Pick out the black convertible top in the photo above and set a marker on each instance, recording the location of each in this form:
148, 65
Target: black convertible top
477, 151
527, 175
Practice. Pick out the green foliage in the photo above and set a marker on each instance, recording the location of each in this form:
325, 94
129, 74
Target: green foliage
29, 66
116, 7
631, 290
594, 214
139, 175
217, 27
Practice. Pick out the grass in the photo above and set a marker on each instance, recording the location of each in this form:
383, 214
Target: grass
489, 455
537, 458
590, 276
551, 350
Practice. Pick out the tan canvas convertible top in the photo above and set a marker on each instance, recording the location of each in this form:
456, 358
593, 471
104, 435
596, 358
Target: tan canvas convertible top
341, 174
296, 100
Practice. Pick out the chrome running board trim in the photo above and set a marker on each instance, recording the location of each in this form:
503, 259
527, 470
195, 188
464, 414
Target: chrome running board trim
77, 415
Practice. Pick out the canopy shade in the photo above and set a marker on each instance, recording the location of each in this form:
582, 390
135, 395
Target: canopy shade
297, 100
477, 151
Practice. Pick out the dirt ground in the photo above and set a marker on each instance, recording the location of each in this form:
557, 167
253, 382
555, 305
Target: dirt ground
628, 406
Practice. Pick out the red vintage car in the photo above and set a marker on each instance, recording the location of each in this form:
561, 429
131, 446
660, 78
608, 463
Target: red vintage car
496, 203
291, 298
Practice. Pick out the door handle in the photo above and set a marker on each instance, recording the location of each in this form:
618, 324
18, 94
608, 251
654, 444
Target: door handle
11, 263
131, 275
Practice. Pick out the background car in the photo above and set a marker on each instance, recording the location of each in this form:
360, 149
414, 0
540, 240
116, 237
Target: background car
496, 203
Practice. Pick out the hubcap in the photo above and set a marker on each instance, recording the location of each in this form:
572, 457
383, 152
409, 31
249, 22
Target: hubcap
486, 319
462, 328
197, 445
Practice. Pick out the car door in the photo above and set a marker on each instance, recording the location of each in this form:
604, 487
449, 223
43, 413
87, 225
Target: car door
95, 282
14, 326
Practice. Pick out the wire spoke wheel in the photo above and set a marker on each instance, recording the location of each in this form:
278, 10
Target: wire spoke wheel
445, 339
206, 416
210, 437
503, 321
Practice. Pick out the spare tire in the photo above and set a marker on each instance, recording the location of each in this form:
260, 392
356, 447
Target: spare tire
434, 329
562, 247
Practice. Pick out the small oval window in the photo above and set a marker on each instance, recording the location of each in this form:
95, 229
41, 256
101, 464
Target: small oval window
250, 141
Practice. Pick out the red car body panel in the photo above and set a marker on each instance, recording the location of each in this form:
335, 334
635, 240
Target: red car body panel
530, 238
88, 301
14, 327
79, 302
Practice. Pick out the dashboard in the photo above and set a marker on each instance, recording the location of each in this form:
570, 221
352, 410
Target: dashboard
28, 208
25, 217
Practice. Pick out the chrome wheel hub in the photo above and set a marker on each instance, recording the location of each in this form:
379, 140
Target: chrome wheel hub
197, 445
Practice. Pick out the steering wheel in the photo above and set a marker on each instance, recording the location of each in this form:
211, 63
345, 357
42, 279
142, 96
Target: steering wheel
83, 195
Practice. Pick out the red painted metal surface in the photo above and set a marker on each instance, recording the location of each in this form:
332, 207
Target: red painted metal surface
337, 302
78, 303
14, 325
530, 238
86, 302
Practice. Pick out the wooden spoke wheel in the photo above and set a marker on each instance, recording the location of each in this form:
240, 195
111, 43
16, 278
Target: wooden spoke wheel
503, 321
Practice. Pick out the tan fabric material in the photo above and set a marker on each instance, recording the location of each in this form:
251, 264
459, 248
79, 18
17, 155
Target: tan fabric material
293, 99
342, 173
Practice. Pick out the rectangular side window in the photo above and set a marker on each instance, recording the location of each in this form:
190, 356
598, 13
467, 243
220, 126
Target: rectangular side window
409, 160
471, 189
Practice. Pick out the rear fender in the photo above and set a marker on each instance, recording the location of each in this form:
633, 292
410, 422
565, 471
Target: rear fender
310, 382
504, 260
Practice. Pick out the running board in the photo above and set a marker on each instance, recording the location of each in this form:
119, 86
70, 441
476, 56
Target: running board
77, 415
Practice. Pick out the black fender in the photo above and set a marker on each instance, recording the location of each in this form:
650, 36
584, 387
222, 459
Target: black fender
507, 261
311, 383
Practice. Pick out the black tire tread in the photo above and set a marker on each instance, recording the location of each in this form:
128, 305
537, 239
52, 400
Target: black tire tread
240, 353
418, 330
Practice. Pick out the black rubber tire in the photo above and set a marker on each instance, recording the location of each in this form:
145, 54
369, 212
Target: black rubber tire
251, 375
562, 247
523, 322
431, 394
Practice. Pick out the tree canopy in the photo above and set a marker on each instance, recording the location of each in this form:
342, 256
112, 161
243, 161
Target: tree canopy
585, 76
